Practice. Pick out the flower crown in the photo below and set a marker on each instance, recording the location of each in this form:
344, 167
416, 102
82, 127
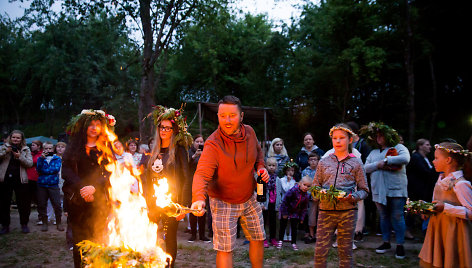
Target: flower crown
89, 115
289, 164
340, 128
453, 151
161, 113
371, 130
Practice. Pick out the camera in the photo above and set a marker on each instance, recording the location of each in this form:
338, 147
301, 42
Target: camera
14, 148
50, 154
200, 147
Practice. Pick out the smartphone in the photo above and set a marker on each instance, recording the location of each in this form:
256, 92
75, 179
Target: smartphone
200, 147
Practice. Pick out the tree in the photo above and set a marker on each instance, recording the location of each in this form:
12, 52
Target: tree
157, 22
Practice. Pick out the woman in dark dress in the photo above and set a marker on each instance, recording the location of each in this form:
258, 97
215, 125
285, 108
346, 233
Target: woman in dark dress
169, 159
85, 177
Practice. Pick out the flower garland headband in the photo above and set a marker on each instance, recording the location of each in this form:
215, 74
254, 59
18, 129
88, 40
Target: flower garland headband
86, 116
289, 164
160, 113
453, 151
371, 130
340, 128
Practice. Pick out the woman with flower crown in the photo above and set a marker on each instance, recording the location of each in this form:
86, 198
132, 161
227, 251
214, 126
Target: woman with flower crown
387, 165
169, 159
85, 178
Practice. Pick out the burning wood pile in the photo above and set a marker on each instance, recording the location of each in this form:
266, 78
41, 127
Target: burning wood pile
132, 239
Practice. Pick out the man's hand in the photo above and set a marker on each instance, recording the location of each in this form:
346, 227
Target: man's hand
198, 205
264, 174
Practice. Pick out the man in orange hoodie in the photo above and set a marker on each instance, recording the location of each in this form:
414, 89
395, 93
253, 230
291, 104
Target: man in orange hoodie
226, 173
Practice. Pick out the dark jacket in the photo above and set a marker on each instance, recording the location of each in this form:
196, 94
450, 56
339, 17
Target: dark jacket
302, 157
80, 171
295, 203
178, 178
421, 178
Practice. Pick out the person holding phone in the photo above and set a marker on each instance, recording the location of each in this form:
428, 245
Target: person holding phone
195, 152
48, 167
15, 158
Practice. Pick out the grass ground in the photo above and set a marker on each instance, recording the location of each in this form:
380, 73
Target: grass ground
48, 249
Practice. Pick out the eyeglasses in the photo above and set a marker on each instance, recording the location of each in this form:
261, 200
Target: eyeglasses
166, 129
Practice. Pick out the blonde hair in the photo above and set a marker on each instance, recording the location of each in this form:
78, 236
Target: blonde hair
305, 179
271, 160
271, 152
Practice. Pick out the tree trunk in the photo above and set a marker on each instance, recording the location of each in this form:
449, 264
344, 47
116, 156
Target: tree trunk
434, 113
410, 77
146, 94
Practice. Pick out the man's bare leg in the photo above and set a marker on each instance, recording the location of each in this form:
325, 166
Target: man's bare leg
256, 253
225, 259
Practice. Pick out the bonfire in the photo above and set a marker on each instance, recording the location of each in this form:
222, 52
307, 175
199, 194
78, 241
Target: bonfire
132, 239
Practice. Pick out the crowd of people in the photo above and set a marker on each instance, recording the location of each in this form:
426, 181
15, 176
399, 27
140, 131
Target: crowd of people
217, 175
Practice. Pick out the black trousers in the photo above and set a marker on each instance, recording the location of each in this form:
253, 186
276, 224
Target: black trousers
171, 237
294, 228
201, 225
23, 200
270, 218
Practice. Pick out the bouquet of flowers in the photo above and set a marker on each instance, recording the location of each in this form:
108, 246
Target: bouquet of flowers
331, 194
419, 207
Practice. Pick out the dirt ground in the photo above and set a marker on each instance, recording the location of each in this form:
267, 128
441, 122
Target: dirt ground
48, 249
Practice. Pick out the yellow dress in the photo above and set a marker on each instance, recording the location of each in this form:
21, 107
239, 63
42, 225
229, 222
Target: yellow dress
448, 241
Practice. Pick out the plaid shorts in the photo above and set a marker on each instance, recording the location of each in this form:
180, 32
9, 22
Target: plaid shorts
225, 220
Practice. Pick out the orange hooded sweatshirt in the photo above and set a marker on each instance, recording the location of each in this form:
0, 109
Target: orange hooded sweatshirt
227, 165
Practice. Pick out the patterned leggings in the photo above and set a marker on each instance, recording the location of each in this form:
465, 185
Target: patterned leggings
328, 222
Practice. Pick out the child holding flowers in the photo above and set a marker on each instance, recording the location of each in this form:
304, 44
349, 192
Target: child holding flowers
294, 208
447, 242
343, 183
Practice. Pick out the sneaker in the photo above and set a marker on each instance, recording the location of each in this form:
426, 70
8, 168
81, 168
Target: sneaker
273, 242
5, 230
358, 237
354, 246
335, 244
383, 248
266, 244
192, 239
294, 246
25, 229
205, 239
279, 244
71, 248
400, 252
39, 223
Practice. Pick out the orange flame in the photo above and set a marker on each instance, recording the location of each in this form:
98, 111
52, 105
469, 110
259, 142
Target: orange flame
129, 224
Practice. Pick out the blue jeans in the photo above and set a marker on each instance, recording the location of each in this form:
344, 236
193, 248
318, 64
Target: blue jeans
392, 215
